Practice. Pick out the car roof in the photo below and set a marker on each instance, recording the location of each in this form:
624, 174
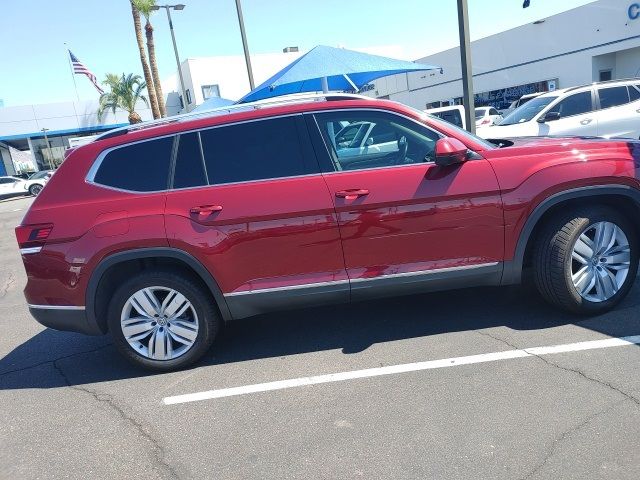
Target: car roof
608, 83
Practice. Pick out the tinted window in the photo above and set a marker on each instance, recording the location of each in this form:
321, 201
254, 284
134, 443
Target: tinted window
140, 167
634, 93
493, 111
451, 116
573, 105
6, 180
612, 97
189, 170
387, 140
253, 151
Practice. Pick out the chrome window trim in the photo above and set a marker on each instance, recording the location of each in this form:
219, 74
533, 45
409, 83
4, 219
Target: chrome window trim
56, 307
89, 178
362, 280
30, 250
288, 287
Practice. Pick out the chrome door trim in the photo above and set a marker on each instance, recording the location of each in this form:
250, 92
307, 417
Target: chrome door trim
57, 307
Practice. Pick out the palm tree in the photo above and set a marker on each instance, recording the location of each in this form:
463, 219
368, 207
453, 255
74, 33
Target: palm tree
145, 8
143, 59
125, 91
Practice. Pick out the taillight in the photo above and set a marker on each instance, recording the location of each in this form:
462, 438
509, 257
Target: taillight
31, 238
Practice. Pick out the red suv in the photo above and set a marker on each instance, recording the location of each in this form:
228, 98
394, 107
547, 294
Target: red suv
161, 233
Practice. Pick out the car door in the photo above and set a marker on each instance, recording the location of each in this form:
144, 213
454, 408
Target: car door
406, 221
619, 111
575, 115
248, 201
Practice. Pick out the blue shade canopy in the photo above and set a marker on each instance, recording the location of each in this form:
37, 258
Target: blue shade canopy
345, 70
211, 103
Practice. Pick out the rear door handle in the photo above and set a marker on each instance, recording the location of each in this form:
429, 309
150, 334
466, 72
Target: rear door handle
352, 194
586, 121
205, 209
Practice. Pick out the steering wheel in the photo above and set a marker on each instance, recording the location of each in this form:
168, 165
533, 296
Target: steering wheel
403, 148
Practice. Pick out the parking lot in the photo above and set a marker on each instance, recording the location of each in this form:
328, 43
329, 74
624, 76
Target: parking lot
446, 385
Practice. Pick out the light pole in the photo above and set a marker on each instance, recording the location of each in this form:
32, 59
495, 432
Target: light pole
179, 6
46, 139
467, 72
245, 46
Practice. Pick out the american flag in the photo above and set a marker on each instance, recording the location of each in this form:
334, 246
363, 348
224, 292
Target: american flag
79, 68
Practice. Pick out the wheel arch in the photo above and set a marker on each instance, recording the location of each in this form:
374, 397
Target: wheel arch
178, 258
512, 272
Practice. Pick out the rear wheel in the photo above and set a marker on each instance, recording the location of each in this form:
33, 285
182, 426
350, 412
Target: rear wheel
162, 320
586, 260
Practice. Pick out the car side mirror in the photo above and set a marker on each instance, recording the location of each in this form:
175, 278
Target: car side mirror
450, 151
549, 117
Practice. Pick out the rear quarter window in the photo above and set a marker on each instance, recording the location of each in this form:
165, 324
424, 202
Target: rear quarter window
139, 167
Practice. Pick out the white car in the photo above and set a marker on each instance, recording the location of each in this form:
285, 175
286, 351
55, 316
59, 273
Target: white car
37, 181
486, 116
10, 186
604, 109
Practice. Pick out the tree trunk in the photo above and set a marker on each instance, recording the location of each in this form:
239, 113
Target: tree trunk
148, 28
134, 118
145, 66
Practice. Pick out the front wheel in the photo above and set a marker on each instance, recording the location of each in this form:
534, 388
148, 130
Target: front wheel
585, 261
35, 189
162, 320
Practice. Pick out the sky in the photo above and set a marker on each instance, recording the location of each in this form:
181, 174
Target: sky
34, 66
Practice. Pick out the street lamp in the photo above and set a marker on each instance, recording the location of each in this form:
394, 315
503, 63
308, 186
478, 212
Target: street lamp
245, 46
179, 6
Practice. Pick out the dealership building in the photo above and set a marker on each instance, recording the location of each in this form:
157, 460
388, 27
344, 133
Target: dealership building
598, 41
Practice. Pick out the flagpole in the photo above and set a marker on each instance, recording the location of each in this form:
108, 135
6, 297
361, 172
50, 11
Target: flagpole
73, 77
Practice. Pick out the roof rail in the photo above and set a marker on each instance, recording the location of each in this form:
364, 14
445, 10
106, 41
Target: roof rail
603, 82
238, 107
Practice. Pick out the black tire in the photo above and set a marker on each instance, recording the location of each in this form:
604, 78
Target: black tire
552, 258
35, 189
209, 321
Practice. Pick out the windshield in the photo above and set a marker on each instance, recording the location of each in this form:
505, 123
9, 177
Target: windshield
480, 112
526, 112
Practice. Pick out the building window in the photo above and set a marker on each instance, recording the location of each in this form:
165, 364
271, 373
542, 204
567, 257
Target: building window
188, 92
605, 75
209, 91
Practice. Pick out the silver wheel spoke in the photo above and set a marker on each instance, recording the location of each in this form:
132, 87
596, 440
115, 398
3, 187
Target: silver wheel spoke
145, 302
607, 282
584, 279
150, 323
176, 306
583, 247
183, 332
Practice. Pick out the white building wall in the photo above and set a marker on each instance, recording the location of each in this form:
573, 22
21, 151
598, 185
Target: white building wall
495, 58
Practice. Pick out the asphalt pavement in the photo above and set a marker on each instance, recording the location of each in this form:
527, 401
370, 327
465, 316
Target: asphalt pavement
446, 385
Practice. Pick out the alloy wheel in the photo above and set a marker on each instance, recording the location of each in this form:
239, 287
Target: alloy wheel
601, 258
159, 323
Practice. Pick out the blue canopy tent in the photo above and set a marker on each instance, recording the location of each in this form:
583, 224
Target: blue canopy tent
213, 103
325, 69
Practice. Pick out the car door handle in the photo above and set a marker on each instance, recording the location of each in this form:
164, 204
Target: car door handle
586, 121
205, 209
352, 194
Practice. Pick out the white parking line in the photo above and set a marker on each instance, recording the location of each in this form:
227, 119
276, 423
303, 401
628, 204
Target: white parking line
403, 368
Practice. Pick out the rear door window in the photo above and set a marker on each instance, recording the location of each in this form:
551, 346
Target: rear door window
613, 96
575, 104
139, 167
257, 150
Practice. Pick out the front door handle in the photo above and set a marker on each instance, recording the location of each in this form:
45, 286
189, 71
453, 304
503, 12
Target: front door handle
586, 121
205, 209
352, 194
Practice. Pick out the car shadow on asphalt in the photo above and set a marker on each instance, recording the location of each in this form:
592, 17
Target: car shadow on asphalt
351, 328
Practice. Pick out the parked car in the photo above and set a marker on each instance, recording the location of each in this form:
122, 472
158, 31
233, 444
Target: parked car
605, 109
519, 102
160, 233
12, 186
486, 116
453, 114
37, 181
